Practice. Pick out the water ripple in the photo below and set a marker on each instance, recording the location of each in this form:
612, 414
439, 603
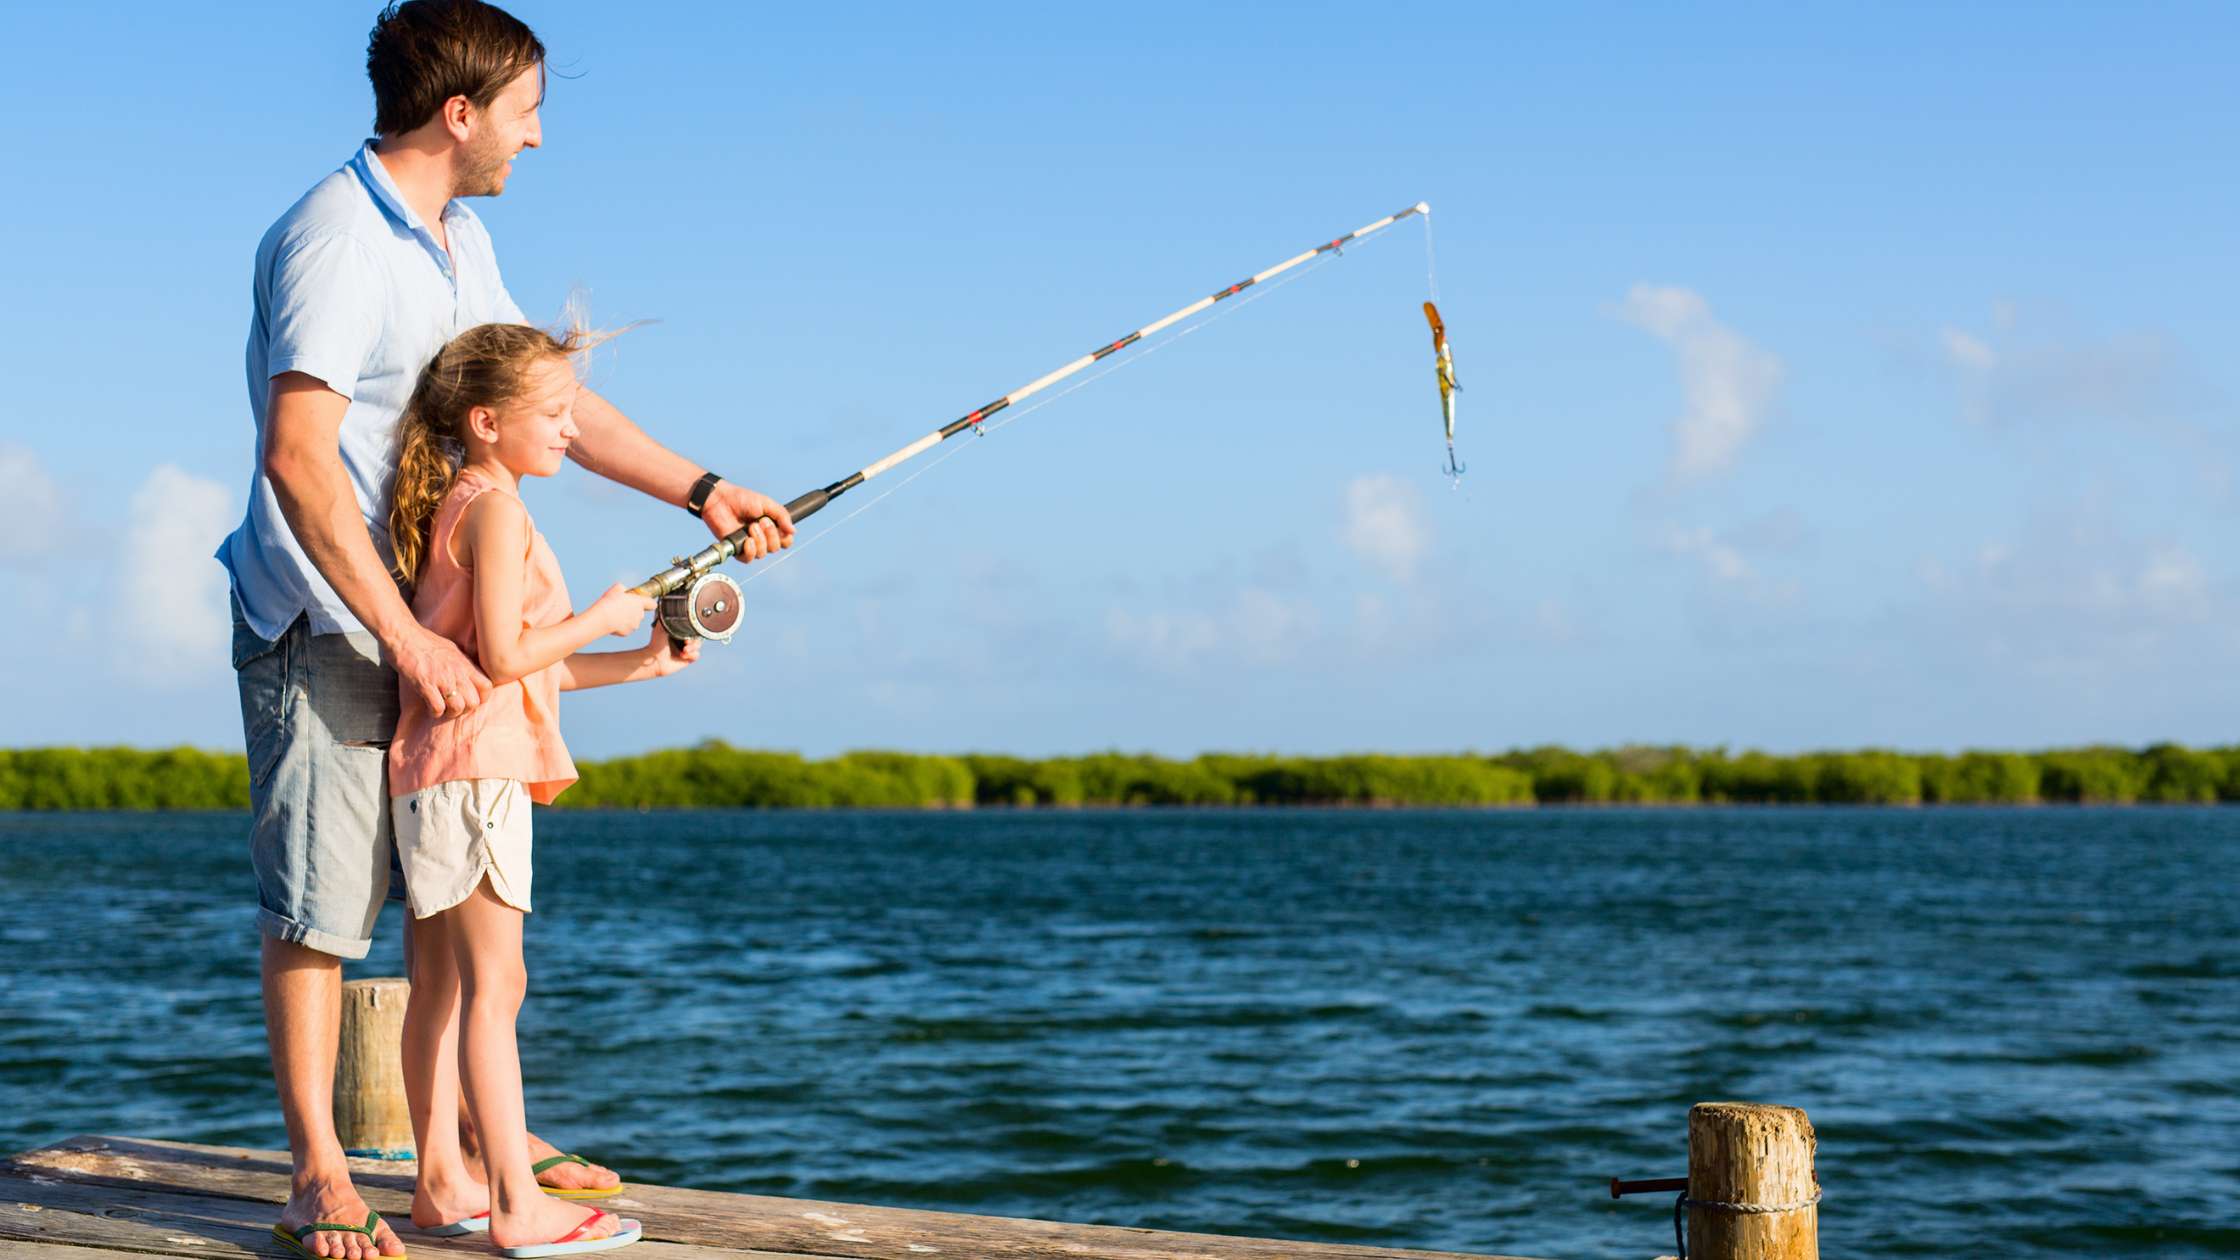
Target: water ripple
1438, 1030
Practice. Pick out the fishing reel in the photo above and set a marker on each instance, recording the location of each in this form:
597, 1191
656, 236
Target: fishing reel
707, 607
695, 600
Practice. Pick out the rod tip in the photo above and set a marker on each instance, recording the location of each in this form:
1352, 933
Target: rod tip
1423, 207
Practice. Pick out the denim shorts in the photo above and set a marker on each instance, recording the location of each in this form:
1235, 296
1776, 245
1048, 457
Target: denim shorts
317, 714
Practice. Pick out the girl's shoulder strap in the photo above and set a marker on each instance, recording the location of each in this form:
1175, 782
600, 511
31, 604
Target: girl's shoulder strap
513, 508
467, 487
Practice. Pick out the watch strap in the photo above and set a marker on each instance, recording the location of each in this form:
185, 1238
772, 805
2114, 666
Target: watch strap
697, 501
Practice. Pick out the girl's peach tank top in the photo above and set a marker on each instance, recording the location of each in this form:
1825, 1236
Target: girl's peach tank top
515, 734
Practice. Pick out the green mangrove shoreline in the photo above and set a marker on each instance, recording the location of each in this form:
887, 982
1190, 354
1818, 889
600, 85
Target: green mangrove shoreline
715, 775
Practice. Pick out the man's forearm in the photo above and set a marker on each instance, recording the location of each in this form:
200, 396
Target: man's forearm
614, 447
324, 516
303, 461
304, 465
611, 446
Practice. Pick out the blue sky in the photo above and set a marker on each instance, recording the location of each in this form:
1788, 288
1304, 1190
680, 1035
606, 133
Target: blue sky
1832, 378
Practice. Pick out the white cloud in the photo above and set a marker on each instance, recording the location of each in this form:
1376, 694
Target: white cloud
171, 596
2073, 598
2171, 579
30, 505
2044, 370
1170, 639
1721, 560
1733, 562
1259, 627
1729, 382
1965, 351
1554, 622
1384, 523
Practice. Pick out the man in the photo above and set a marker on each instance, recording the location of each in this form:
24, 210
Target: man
356, 287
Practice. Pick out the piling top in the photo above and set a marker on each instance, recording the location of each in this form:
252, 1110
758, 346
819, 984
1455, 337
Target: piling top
1752, 1190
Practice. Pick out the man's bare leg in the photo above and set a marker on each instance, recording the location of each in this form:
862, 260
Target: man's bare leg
303, 1024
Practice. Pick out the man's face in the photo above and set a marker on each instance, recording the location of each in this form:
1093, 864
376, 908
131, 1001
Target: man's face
500, 132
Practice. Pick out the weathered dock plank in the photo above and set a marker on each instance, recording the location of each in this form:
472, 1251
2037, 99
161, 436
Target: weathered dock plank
92, 1220
136, 1195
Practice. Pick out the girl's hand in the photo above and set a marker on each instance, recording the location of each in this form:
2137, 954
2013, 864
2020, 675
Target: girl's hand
668, 655
619, 611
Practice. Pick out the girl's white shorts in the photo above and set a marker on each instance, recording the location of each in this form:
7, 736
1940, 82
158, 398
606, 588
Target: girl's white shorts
453, 834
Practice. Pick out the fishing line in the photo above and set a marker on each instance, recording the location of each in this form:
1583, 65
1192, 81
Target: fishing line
1022, 413
695, 600
1430, 260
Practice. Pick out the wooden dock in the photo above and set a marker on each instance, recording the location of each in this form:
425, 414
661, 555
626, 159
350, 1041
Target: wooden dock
94, 1197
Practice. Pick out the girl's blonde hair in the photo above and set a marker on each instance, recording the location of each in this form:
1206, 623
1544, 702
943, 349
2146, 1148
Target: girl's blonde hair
485, 366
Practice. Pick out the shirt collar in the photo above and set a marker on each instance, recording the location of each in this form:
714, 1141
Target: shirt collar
390, 198
385, 190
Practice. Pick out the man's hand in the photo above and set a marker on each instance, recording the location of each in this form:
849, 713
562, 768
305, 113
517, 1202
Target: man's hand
731, 506
447, 680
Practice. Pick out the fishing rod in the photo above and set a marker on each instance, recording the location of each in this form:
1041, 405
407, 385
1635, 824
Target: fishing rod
698, 601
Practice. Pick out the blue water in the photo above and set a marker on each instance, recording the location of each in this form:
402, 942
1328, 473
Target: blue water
2017, 1032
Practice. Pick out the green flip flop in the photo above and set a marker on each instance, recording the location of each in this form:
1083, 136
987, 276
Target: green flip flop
293, 1239
558, 1193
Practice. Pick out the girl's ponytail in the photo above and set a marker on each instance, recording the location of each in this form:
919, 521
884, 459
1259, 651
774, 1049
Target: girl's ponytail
481, 367
427, 464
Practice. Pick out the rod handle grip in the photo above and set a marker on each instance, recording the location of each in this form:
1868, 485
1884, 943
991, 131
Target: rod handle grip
806, 505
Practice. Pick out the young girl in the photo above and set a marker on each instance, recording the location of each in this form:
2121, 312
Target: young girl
495, 405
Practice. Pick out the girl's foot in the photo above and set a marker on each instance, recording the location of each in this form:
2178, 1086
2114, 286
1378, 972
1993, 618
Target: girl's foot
454, 1201
550, 1227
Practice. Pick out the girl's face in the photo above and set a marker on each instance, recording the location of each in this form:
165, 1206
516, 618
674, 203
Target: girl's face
530, 433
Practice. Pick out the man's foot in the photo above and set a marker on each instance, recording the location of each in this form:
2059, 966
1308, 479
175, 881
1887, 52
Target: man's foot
549, 1220
447, 1202
318, 1200
568, 1174
572, 1174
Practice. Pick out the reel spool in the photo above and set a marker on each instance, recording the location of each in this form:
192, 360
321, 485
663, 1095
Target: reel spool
707, 607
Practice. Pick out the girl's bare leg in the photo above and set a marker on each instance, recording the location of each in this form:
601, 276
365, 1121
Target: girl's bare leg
445, 1191
486, 941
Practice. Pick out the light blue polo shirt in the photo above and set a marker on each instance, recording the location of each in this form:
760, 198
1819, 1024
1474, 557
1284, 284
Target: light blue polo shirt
351, 288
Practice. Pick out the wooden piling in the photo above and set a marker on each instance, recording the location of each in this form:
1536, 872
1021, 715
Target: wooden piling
1752, 1193
369, 1109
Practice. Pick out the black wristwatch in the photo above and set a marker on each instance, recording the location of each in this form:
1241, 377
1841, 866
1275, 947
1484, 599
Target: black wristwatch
697, 501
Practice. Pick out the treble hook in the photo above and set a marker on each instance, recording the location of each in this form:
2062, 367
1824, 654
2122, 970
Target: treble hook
1454, 469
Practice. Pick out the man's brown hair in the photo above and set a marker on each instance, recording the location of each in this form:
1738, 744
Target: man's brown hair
424, 52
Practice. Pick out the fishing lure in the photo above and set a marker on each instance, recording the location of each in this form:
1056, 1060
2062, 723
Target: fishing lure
1447, 385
